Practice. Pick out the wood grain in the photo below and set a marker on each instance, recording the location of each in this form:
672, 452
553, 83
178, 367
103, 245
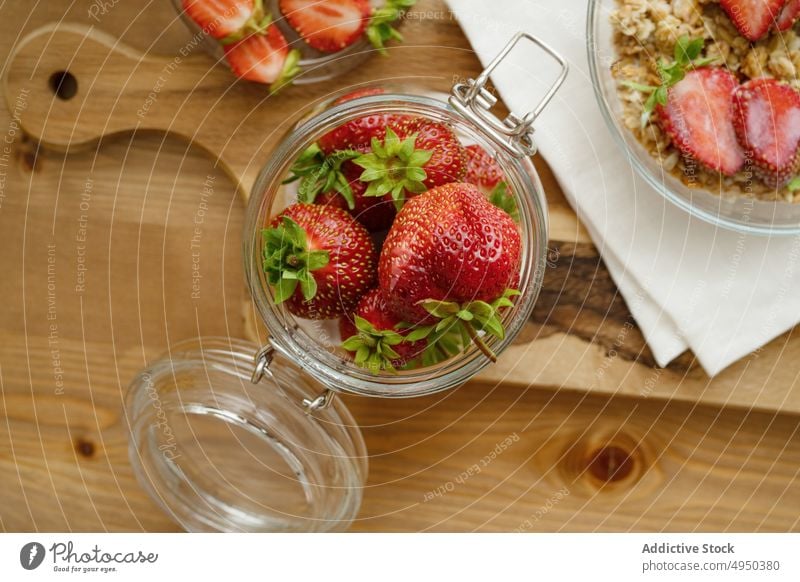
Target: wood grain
699, 454
581, 318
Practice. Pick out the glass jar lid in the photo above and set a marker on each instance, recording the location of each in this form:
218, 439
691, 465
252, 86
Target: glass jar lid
221, 453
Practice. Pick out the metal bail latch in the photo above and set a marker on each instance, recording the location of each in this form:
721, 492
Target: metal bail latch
262, 361
475, 102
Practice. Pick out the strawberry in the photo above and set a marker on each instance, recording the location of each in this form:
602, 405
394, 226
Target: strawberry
698, 117
789, 15
371, 333
482, 169
753, 18
767, 122
363, 92
417, 155
219, 18
376, 214
334, 180
263, 57
318, 260
451, 256
327, 25
359, 133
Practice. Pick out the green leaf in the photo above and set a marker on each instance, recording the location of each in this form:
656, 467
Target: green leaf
439, 308
308, 285
317, 259
639, 86
503, 198
794, 184
419, 333
284, 289
465, 315
352, 343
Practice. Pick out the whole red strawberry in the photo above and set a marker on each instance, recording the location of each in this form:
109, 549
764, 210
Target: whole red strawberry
371, 333
414, 156
318, 260
698, 117
327, 25
219, 18
376, 214
450, 255
358, 93
358, 134
482, 169
767, 123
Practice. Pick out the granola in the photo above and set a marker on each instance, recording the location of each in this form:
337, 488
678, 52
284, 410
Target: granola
646, 30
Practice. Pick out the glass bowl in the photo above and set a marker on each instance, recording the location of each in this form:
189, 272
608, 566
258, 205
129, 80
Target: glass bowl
315, 66
727, 209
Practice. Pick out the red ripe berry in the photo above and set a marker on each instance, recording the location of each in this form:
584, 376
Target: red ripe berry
450, 251
376, 214
789, 15
371, 334
358, 133
327, 25
318, 260
263, 57
219, 18
753, 18
767, 122
482, 169
358, 93
698, 117
414, 156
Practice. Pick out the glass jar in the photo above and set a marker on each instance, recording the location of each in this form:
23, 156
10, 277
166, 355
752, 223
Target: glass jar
314, 66
227, 435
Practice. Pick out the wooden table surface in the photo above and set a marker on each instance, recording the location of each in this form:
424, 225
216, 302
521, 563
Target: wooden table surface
579, 392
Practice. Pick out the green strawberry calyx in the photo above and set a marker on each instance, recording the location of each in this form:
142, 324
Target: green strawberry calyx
258, 23
373, 347
380, 29
686, 56
320, 173
469, 319
291, 68
288, 261
503, 198
394, 167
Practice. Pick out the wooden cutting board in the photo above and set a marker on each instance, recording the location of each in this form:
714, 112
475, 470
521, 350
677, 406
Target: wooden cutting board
604, 439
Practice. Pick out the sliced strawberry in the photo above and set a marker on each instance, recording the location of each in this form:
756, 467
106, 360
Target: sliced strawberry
327, 25
263, 57
219, 18
767, 122
753, 18
698, 117
789, 15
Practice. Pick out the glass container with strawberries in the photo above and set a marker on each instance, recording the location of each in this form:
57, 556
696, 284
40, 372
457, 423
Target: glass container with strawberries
276, 42
394, 246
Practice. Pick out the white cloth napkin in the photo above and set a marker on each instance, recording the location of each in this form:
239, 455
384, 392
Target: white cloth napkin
687, 283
